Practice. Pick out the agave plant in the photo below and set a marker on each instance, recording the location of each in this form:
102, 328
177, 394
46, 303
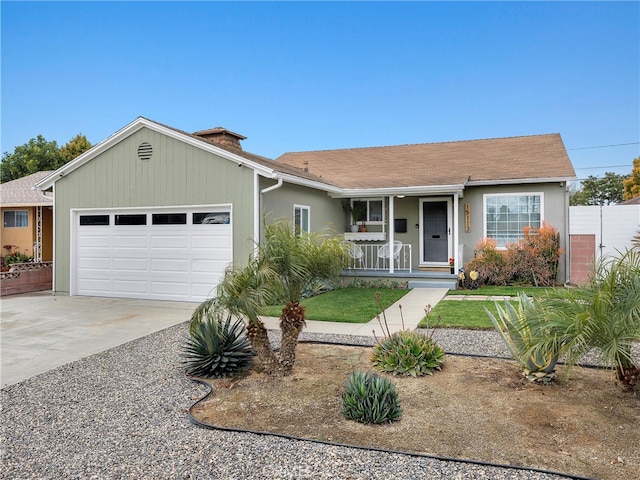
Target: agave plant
216, 347
369, 398
522, 330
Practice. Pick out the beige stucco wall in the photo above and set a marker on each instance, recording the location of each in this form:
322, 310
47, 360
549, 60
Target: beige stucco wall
21, 238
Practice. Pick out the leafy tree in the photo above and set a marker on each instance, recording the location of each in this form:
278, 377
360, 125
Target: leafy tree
40, 154
74, 147
632, 183
286, 266
599, 191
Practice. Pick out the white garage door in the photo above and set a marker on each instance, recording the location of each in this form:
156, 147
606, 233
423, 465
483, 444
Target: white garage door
160, 254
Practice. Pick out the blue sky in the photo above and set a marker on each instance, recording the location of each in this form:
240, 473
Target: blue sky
307, 76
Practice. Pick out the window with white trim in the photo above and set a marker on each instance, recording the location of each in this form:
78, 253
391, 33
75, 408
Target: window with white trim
506, 215
301, 218
16, 218
369, 210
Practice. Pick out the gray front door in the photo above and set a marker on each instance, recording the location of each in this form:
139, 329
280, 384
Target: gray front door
435, 228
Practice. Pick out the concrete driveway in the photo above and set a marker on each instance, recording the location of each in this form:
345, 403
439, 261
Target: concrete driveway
40, 331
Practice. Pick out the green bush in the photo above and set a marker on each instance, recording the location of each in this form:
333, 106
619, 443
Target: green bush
216, 348
369, 398
408, 353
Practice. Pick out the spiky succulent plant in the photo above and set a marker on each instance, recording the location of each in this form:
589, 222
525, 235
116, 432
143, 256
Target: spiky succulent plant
216, 347
370, 398
408, 353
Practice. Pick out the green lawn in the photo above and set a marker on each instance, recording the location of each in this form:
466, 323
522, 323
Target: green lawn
351, 305
462, 314
501, 291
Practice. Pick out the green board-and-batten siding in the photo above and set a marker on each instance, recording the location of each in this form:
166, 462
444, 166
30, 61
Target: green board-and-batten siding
177, 174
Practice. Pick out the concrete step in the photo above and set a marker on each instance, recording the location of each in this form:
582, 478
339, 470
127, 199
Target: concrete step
433, 283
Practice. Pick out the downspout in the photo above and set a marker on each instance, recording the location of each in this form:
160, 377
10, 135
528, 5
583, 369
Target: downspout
256, 204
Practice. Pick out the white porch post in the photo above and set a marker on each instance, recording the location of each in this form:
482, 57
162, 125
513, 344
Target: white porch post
392, 232
455, 225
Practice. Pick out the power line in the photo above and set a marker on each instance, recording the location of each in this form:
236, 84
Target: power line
606, 166
606, 146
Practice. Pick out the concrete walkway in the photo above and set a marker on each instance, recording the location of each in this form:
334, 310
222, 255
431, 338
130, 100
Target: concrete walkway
40, 331
413, 310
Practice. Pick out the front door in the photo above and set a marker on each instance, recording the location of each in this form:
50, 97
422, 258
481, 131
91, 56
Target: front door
436, 231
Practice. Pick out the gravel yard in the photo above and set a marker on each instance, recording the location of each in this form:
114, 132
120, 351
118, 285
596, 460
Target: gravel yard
122, 414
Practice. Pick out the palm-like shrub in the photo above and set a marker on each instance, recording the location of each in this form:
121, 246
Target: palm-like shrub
216, 347
521, 330
285, 266
369, 398
408, 353
604, 314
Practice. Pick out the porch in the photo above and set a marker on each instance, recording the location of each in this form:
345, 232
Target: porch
393, 263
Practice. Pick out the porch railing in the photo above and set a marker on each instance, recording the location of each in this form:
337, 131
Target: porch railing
371, 258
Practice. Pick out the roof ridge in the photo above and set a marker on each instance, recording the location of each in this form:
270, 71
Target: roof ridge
423, 143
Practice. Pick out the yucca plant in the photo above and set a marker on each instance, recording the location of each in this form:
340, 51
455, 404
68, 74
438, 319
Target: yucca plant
216, 347
369, 398
521, 330
408, 353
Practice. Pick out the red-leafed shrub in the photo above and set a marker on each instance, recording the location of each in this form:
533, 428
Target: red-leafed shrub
532, 260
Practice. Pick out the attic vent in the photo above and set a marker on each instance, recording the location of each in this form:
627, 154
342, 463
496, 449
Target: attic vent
145, 151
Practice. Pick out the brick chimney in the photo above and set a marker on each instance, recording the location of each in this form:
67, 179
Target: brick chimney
222, 138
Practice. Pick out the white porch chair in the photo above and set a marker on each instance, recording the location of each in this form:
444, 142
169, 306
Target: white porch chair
355, 253
386, 252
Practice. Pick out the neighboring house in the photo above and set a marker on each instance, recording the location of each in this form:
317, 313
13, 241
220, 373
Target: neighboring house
631, 201
155, 212
27, 218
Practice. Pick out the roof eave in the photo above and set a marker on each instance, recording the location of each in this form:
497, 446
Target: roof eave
133, 127
456, 189
515, 181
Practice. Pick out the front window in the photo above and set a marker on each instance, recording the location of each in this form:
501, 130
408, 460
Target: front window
16, 218
301, 216
506, 215
368, 210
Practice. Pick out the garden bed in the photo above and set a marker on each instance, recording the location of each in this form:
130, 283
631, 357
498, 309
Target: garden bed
477, 408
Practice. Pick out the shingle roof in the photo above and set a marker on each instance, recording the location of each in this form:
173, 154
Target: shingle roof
432, 164
632, 201
264, 161
20, 193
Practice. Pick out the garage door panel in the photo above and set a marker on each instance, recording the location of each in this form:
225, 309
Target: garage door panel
95, 286
169, 265
209, 265
160, 262
129, 241
170, 241
129, 264
94, 263
204, 290
211, 241
170, 288
95, 241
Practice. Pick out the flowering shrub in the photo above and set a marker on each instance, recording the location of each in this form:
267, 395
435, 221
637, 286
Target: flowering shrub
532, 260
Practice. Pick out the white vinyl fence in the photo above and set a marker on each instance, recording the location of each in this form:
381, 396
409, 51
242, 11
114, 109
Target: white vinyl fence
613, 226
